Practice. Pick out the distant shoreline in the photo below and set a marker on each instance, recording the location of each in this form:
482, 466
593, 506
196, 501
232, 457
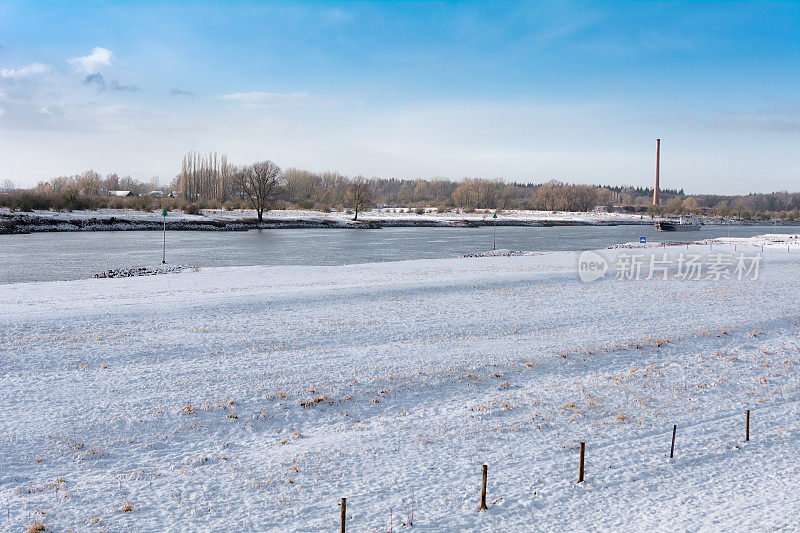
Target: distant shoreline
39, 225
15, 223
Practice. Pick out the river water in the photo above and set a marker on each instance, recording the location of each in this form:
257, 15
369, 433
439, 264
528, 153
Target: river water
75, 255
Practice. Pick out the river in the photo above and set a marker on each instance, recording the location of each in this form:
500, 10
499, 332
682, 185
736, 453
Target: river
75, 255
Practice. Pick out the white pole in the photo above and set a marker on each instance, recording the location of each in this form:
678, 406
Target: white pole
164, 250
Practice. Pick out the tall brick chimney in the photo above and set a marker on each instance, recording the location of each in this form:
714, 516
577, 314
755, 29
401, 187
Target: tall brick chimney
658, 160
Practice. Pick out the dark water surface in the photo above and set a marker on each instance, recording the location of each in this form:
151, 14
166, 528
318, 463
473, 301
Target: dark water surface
61, 256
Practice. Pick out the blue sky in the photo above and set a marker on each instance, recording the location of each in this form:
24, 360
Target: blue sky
577, 91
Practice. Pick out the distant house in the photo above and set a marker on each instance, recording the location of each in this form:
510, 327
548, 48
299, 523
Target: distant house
123, 194
156, 194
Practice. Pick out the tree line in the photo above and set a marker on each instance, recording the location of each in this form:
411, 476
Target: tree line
211, 181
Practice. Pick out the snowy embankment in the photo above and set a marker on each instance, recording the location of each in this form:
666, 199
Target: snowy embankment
237, 220
767, 241
144, 271
254, 398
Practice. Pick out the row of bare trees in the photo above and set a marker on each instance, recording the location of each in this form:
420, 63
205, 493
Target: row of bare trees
262, 182
206, 177
210, 180
90, 183
557, 196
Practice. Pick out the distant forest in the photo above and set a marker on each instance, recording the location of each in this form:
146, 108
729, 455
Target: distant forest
210, 181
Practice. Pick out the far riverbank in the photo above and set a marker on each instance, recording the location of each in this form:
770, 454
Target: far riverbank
243, 220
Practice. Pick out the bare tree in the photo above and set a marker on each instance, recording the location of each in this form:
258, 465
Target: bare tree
259, 182
358, 195
88, 183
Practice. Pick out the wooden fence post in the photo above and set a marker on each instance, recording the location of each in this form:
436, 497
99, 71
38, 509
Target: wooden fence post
580, 465
672, 449
483, 488
747, 427
344, 514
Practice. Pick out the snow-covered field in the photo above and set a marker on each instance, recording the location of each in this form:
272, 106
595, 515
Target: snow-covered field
254, 398
432, 215
386, 214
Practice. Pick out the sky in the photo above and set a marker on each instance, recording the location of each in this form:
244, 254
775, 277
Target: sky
574, 91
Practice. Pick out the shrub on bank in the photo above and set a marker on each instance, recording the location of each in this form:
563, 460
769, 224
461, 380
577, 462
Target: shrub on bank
26, 200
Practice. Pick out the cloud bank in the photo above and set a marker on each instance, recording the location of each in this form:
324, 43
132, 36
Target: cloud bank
23, 72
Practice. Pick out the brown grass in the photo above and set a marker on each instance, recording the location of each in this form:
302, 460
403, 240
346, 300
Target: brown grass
313, 402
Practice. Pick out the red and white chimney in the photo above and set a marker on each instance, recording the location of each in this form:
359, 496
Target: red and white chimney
658, 160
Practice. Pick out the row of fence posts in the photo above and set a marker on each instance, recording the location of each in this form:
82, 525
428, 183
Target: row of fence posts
788, 247
485, 476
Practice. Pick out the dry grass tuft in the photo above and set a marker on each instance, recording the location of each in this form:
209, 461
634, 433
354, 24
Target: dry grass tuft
315, 401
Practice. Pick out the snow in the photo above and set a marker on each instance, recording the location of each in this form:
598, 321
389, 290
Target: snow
501, 253
767, 241
254, 398
217, 219
143, 271
105, 214
385, 214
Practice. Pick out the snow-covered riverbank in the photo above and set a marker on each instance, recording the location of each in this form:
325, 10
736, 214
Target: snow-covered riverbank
257, 397
218, 219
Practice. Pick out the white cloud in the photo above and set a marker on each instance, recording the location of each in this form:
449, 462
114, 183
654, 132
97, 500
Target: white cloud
100, 57
261, 96
23, 72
